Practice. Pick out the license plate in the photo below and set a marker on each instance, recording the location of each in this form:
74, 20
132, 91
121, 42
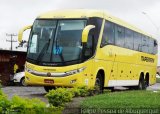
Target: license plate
48, 81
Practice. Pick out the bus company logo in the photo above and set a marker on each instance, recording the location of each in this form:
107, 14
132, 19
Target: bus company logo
147, 59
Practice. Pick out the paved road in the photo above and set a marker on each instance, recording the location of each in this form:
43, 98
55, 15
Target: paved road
154, 87
39, 92
30, 92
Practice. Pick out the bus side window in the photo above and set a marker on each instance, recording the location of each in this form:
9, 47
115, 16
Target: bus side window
89, 46
108, 34
151, 46
144, 44
119, 36
155, 50
148, 40
137, 41
128, 38
96, 31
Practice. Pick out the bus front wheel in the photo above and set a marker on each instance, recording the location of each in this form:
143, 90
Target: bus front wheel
99, 84
48, 88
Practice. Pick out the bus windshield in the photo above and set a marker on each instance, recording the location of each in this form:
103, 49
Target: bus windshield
56, 41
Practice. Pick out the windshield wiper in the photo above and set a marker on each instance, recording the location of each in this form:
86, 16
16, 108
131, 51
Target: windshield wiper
58, 47
45, 47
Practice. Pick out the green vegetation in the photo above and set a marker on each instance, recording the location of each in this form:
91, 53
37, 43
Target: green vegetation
18, 105
60, 96
57, 99
0, 84
158, 80
126, 99
23, 104
82, 91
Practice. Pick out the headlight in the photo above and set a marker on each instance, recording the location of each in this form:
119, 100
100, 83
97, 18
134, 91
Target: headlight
55, 74
75, 71
35, 72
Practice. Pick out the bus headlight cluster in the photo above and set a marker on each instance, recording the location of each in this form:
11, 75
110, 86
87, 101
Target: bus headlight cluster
36, 72
29, 70
75, 71
55, 74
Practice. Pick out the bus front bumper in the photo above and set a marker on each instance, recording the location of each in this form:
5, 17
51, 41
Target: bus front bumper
67, 81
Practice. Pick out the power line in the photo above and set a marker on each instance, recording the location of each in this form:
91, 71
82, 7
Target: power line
11, 35
149, 18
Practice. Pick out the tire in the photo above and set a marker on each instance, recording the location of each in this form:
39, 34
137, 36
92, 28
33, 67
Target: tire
141, 85
48, 88
22, 82
147, 82
99, 84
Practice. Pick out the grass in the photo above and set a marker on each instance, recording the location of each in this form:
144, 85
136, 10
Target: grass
158, 80
124, 99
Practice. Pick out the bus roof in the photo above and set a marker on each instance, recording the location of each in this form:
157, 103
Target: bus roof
85, 13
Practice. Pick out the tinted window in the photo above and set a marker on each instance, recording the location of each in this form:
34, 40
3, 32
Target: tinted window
128, 38
95, 32
155, 47
124, 37
151, 46
119, 36
89, 47
144, 44
137, 42
108, 34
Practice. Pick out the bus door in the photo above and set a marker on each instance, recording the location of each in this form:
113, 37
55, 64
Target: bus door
108, 60
88, 58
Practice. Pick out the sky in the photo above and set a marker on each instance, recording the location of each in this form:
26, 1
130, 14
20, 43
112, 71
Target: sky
18, 13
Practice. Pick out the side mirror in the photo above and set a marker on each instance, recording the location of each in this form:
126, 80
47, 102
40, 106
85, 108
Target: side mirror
86, 32
20, 34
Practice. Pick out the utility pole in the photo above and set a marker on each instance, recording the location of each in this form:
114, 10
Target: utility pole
11, 35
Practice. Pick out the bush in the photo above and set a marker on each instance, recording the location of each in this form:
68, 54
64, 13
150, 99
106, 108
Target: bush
18, 105
1, 93
0, 84
24, 104
82, 91
59, 96
5, 104
75, 92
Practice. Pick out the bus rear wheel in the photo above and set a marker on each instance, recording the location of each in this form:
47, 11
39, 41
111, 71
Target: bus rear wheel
141, 85
99, 84
48, 88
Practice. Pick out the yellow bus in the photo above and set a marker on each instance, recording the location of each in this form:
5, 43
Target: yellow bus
69, 48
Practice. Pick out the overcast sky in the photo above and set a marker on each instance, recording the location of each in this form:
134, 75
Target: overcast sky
18, 13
